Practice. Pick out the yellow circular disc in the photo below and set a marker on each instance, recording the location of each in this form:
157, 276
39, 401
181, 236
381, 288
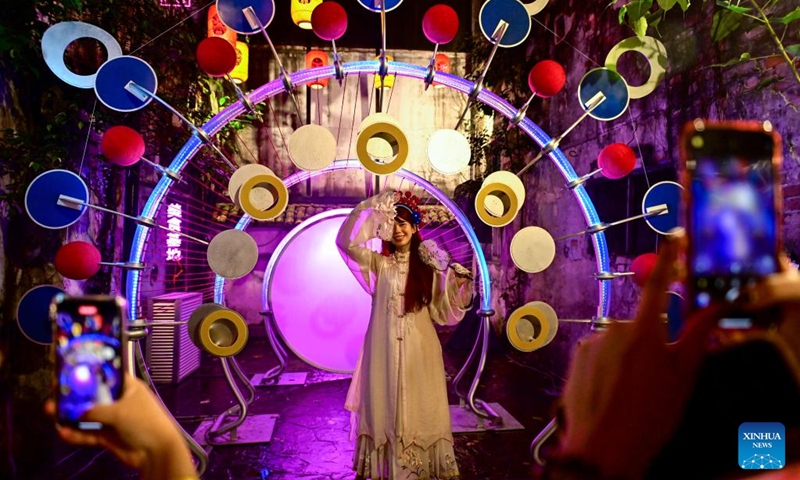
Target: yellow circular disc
276, 187
241, 175
652, 50
503, 192
383, 126
521, 328
223, 333
510, 179
552, 318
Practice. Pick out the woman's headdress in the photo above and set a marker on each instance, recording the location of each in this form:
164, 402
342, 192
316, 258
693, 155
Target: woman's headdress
410, 202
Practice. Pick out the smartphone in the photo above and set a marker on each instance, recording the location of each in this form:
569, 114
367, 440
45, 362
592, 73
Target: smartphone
731, 177
88, 342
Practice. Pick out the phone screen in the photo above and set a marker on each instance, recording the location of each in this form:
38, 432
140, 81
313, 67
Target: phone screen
732, 224
88, 354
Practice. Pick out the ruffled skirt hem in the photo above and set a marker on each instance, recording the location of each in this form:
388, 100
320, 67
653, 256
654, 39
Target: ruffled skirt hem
404, 462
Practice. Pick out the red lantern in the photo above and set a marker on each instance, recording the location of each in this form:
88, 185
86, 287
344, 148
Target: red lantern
442, 64
316, 59
218, 29
122, 145
617, 160
77, 260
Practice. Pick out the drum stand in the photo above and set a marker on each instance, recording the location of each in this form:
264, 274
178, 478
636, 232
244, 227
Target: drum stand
275, 376
257, 429
136, 363
482, 416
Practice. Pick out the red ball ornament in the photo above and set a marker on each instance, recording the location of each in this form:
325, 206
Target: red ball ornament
329, 21
617, 160
547, 78
440, 24
122, 145
77, 260
216, 56
642, 267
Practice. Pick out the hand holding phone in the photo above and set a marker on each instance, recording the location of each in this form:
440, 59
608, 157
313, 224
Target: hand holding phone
731, 177
88, 334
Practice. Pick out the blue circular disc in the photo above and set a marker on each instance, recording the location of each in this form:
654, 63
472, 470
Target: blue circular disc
513, 12
375, 5
675, 316
232, 15
33, 313
114, 75
41, 198
663, 194
613, 87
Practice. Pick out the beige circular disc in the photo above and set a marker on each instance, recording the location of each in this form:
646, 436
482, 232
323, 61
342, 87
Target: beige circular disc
232, 254
277, 190
550, 314
510, 179
493, 205
261, 198
533, 249
312, 147
448, 151
241, 175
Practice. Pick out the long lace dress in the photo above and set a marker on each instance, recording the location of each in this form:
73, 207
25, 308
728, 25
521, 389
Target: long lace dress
400, 416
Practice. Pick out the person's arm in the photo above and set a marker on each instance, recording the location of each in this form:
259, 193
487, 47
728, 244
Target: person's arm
627, 388
138, 431
369, 219
452, 295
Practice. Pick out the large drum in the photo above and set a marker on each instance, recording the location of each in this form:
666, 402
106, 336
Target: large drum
320, 309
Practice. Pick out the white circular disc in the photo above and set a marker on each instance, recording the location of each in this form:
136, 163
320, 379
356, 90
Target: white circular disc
533, 249
232, 254
494, 205
312, 147
241, 175
448, 151
261, 198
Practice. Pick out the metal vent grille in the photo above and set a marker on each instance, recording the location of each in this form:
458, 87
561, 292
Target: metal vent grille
171, 355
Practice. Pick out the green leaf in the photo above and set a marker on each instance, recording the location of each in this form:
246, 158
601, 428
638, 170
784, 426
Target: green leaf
793, 50
666, 4
638, 9
685, 4
640, 27
622, 12
765, 82
791, 17
725, 23
731, 7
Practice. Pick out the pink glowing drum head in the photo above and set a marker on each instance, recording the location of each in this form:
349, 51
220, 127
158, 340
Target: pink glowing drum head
320, 309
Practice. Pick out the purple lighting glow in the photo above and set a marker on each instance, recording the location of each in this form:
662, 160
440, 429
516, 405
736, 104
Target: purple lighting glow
319, 307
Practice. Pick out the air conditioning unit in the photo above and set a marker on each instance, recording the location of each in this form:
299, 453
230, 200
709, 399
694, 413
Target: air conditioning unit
171, 355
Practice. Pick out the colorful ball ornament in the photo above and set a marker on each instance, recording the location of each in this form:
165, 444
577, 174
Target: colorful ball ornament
617, 160
122, 145
547, 78
216, 56
440, 24
77, 260
329, 21
642, 267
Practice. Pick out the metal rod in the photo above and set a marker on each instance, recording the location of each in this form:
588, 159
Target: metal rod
218, 429
431, 67
497, 36
255, 22
142, 93
593, 103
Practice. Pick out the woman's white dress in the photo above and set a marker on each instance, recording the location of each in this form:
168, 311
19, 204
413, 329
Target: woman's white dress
400, 416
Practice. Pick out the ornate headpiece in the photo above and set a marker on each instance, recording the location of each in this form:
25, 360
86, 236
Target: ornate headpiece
410, 202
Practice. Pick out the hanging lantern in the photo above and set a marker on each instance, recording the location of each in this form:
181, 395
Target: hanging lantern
442, 64
239, 73
388, 80
301, 12
218, 29
316, 59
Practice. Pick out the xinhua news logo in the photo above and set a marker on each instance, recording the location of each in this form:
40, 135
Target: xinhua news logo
762, 445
